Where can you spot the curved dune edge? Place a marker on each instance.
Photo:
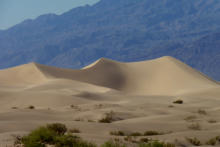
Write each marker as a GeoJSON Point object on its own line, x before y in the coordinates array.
{"type": "Point", "coordinates": [162, 76]}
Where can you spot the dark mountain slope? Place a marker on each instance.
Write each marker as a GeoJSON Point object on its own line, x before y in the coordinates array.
{"type": "Point", "coordinates": [124, 30]}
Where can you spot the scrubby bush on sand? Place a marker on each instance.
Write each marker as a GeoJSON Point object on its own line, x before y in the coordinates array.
{"type": "Point", "coordinates": [52, 134]}
{"type": "Point", "coordinates": [117, 133]}
{"type": "Point", "coordinates": [156, 144]}
{"type": "Point", "coordinates": [194, 141]}
{"type": "Point", "coordinates": [113, 144]}
{"type": "Point", "coordinates": [179, 101]}
{"type": "Point", "coordinates": [108, 118]}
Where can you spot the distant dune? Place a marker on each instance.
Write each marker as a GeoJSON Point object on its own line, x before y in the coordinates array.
{"type": "Point", "coordinates": [162, 76]}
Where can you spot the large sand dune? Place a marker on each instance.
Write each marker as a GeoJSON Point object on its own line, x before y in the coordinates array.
{"type": "Point", "coordinates": [163, 76]}
{"type": "Point", "coordinates": [139, 93]}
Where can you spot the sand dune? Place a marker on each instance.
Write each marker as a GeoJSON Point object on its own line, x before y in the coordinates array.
{"type": "Point", "coordinates": [140, 94]}
{"type": "Point", "coordinates": [163, 76]}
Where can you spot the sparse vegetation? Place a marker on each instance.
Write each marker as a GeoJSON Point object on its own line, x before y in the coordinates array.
{"type": "Point", "coordinates": [52, 134]}
{"type": "Point", "coordinates": [108, 118]}
{"type": "Point", "coordinates": [136, 134]}
{"type": "Point", "coordinates": [31, 107]}
{"type": "Point", "coordinates": [144, 140]}
{"type": "Point", "coordinates": [190, 118]}
{"type": "Point", "coordinates": [156, 144]}
{"type": "Point", "coordinates": [195, 126]}
{"type": "Point", "coordinates": [113, 144]}
{"type": "Point", "coordinates": [74, 130]}
{"type": "Point", "coordinates": [14, 107]}
{"type": "Point", "coordinates": [202, 112]}
{"type": "Point", "coordinates": [194, 141]}
{"type": "Point", "coordinates": [212, 141]}
{"type": "Point", "coordinates": [152, 133]}
{"type": "Point", "coordinates": [212, 121]}
{"type": "Point", "coordinates": [117, 133]}
{"type": "Point", "coordinates": [179, 101]}
{"type": "Point", "coordinates": [58, 128]}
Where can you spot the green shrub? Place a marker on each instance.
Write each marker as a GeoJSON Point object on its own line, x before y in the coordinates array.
{"type": "Point", "coordinates": [152, 133]}
{"type": "Point", "coordinates": [71, 141]}
{"type": "Point", "coordinates": [59, 128]}
{"type": "Point", "coordinates": [113, 144]}
{"type": "Point", "coordinates": [117, 133]}
{"type": "Point", "coordinates": [39, 137]}
{"type": "Point", "coordinates": [74, 131]}
{"type": "Point", "coordinates": [194, 141]}
{"type": "Point", "coordinates": [195, 126]}
{"type": "Point", "coordinates": [202, 112]}
{"type": "Point", "coordinates": [108, 118]}
{"type": "Point", "coordinates": [212, 141]}
{"type": "Point", "coordinates": [156, 144]}
{"type": "Point", "coordinates": [178, 102]}
{"type": "Point", "coordinates": [144, 140]}
{"type": "Point", "coordinates": [52, 134]}
{"type": "Point", "coordinates": [135, 134]}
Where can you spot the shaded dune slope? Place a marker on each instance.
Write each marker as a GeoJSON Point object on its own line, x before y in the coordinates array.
{"type": "Point", "coordinates": [162, 76]}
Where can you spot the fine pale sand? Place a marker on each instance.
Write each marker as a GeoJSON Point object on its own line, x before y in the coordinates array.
{"type": "Point", "coordinates": [140, 95]}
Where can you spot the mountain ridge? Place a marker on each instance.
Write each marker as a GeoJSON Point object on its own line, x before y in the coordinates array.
{"type": "Point", "coordinates": [124, 31]}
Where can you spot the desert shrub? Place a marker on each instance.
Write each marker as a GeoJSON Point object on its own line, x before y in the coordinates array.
{"type": "Point", "coordinates": [14, 107]}
{"type": "Point", "coordinates": [202, 112]}
{"type": "Point", "coordinates": [212, 121]}
{"type": "Point", "coordinates": [31, 107]}
{"type": "Point", "coordinates": [156, 144]}
{"type": "Point", "coordinates": [58, 128]}
{"type": "Point", "coordinates": [152, 133]}
{"type": "Point", "coordinates": [108, 118]}
{"type": "Point", "coordinates": [71, 141]}
{"type": "Point", "coordinates": [144, 140]}
{"type": "Point", "coordinates": [212, 141]}
{"type": "Point", "coordinates": [194, 141]}
{"type": "Point", "coordinates": [39, 137]}
{"type": "Point", "coordinates": [136, 134]}
{"type": "Point", "coordinates": [178, 101]}
{"type": "Point", "coordinates": [74, 130]}
{"type": "Point", "coordinates": [195, 126]}
{"type": "Point", "coordinates": [52, 134]}
{"type": "Point", "coordinates": [117, 133]}
{"type": "Point", "coordinates": [113, 144]}
{"type": "Point", "coordinates": [190, 118]}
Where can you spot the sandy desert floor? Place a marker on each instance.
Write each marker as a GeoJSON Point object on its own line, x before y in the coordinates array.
{"type": "Point", "coordinates": [139, 96]}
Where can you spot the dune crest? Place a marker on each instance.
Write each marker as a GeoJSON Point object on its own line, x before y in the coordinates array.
{"type": "Point", "coordinates": [162, 76]}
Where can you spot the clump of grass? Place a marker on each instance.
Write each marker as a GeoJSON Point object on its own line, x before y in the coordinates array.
{"type": "Point", "coordinates": [170, 106]}
{"type": "Point", "coordinates": [190, 118]}
{"type": "Point", "coordinates": [212, 121]}
{"type": "Point", "coordinates": [74, 130]}
{"type": "Point", "coordinates": [194, 141]}
{"type": "Point", "coordinates": [14, 107]}
{"type": "Point", "coordinates": [202, 112]}
{"type": "Point", "coordinates": [136, 134]}
{"type": "Point", "coordinates": [108, 118]}
{"type": "Point", "coordinates": [156, 144]}
{"type": "Point", "coordinates": [179, 101]}
{"type": "Point", "coordinates": [31, 107]}
{"type": "Point", "coordinates": [195, 126]}
{"type": "Point", "coordinates": [212, 141]}
{"type": "Point", "coordinates": [152, 133]}
{"type": "Point", "coordinates": [144, 140]}
{"type": "Point", "coordinates": [113, 143]}
{"type": "Point", "coordinates": [117, 133]}
{"type": "Point", "coordinates": [52, 134]}
{"type": "Point", "coordinates": [58, 128]}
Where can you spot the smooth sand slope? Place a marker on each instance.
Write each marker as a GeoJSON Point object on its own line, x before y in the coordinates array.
{"type": "Point", "coordinates": [163, 76]}
{"type": "Point", "coordinates": [140, 94]}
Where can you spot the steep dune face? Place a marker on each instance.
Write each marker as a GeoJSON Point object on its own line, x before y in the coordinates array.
{"type": "Point", "coordinates": [162, 76]}
{"type": "Point", "coordinates": [22, 75]}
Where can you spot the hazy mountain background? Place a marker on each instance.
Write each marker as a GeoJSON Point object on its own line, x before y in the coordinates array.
{"type": "Point", "coordinates": [124, 30]}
